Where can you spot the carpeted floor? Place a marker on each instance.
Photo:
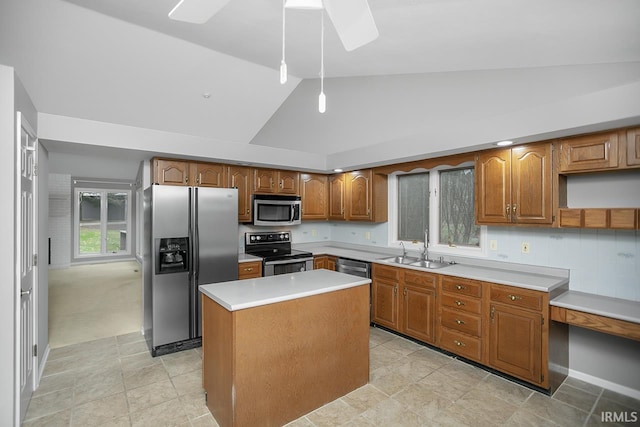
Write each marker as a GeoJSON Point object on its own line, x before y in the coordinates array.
{"type": "Point", "coordinates": [88, 302]}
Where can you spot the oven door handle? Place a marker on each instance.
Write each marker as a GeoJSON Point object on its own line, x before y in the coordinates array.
{"type": "Point", "coordinates": [288, 261]}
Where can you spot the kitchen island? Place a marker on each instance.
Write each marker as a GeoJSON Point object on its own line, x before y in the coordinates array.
{"type": "Point", "coordinates": [276, 348]}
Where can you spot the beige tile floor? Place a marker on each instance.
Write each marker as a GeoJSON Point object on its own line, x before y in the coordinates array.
{"type": "Point", "coordinates": [115, 382]}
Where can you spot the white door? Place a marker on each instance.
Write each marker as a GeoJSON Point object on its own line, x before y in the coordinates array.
{"type": "Point", "coordinates": [27, 272]}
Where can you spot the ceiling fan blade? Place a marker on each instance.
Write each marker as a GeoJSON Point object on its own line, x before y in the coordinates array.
{"type": "Point", "coordinates": [353, 21]}
{"type": "Point", "coordinates": [196, 11]}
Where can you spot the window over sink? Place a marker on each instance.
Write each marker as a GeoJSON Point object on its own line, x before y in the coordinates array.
{"type": "Point", "coordinates": [441, 200]}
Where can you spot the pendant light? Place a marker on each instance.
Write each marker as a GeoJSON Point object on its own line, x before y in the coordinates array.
{"type": "Point", "coordinates": [322, 99]}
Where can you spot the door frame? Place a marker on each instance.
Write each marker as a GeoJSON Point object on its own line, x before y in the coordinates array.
{"type": "Point", "coordinates": [21, 122]}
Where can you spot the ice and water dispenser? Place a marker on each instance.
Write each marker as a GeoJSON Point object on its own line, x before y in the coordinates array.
{"type": "Point", "coordinates": [172, 255]}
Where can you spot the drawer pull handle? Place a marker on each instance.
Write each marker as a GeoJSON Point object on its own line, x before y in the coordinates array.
{"type": "Point", "coordinates": [460, 322]}
{"type": "Point", "coordinates": [248, 269]}
{"type": "Point", "coordinates": [459, 343]}
{"type": "Point", "coordinates": [461, 287]}
{"type": "Point", "coordinates": [514, 297]}
{"type": "Point", "coordinates": [459, 303]}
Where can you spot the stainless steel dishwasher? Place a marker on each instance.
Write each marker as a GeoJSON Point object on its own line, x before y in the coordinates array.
{"type": "Point", "coordinates": [356, 268]}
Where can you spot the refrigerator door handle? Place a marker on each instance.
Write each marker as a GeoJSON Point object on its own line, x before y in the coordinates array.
{"type": "Point", "coordinates": [191, 242]}
{"type": "Point", "coordinates": [196, 242]}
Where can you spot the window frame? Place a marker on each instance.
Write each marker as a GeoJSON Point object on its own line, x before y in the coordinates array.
{"type": "Point", "coordinates": [103, 221]}
{"type": "Point", "coordinates": [434, 217]}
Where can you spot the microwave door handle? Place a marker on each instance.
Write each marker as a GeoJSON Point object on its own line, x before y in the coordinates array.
{"type": "Point", "coordinates": [293, 212]}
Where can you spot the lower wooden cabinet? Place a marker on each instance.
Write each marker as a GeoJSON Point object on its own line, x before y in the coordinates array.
{"type": "Point", "coordinates": [519, 333]}
{"type": "Point", "coordinates": [327, 262]}
{"type": "Point", "coordinates": [404, 300]}
{"type": "Point", "coordinates": [503, 327]}
{"type": "Point", "coordinates": [249, 270]}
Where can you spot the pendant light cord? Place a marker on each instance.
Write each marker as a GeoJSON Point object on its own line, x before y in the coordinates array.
{"type": "Point", "coordinates": [283, 65]}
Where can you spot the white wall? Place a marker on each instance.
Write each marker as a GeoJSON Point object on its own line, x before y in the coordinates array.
{"type": "Point", "coordinates": [60, 219]}
{"type": "Point", "coordinates": [7, 252]}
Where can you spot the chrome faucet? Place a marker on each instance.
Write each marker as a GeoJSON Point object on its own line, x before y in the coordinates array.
{"type": "Point", "coordinates": [404, 251]}
{"type": "Point", "coordinates": [425, 253]}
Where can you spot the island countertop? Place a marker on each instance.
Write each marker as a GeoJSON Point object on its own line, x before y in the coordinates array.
{"type": "Point", "coordinates": [247, 293]}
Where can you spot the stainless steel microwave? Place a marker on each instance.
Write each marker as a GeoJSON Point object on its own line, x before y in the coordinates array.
{"type": "Point", "coordinates": [274, 210]}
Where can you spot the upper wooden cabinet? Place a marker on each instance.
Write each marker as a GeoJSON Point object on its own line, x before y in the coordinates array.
{"type": "Point", "coordinates": [208, 175]}
{"type": "Point", "coordinates": [358, 196]}
{"type": "Point", "coordinates": [240, 177]}
{"type": "Point", "coordinates": [633, 147]}
{"type": "Point", "coordinates": [589, 152]}
{"type": "Point", "coordinates": [337, 190]}
{"type": "Point", "coordinates": [182, 172]}
{"type": "Point", "coordinates": [170, 172]}
{"type": "Point", "coordinates": [272, 181]}
{"type": "Point", "coordinates": [513, 186]}
{"type": "Point", "coordinates": [314, 191]}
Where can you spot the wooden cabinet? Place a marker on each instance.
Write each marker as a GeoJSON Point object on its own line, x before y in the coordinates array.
{"type": "Point", "coordinates": [615, 218]}
{"type": "Point", "coordinates": [404, 300]}
{"type": "Point", "coordinates": [272, 181]}
{"type": "Point", "coordinates": [518, 333]}
{"type": "Point", "coordinates": [633, 147]}
{"type": "Point", "coordinates": [589, 152]}
{"type": "Point", "coordinates": [170, 172]}
{"type": "Point", "coordinates": [384, 296]}
{"type": "Point", "coordinates": [249, 270]}
{"type": "Point", "coordinates": [314, 192]}
{"type": "Point", "coordinates": [513, 186]}
{"type": "Point", "coordinates": [182, 172]}
{"type": "Point", "coordinates": [208, 174]}
{"type": "Point", "coordinates": [337, 190]}
{"type": "Point", "coordinates": [460, 317]}
{"type": "Point", "coordinates": [240, 177]}
{"type": "Point", "coordinates": [327, 262]}
{"type": "Point", "coordinates": [358, 196]}
{"type": "Point", "coordinates": [419, 305]}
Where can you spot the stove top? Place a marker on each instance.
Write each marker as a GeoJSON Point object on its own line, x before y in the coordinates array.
{"type": "Point", "coordinates": [273, 246]}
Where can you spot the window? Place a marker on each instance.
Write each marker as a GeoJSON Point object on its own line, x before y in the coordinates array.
{"type": "Point", "coordinates": [102, 222]}
{"type": "Point", "coordinates": [457, 217]}
{"type": "Point", "coordinates": [441, 201]}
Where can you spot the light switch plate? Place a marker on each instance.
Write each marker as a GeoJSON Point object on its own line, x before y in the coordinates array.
{"type": "Point", "coordinates": [493, 245]}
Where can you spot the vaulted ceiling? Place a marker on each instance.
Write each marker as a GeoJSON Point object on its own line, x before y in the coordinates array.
{"type": "Point", "coordinates": [444, 75]}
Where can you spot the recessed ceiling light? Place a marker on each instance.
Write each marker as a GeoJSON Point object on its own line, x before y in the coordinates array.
{"type": "Point", "coordinates": [504, 143]}
{"type": "Point", "coordinates": [206, 95]}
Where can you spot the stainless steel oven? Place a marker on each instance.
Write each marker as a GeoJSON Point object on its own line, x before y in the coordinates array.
{"type": "Point", "coordinates": [275, 250]}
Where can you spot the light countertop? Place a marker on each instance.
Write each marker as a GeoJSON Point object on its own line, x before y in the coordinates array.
{"type": "Point", "coordinates": [242, 257]}
{"type": "Point", "coordinates": [615, 308]}
{"type": "Point", "coordinates": [242, 294]}
{"type": "Point", "coordinates": [522, 276]}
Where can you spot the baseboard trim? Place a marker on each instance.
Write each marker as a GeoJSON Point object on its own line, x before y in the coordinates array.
{"type": "Point", "coordinates": [609, 385]}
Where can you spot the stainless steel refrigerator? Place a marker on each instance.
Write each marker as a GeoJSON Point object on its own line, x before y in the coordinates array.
{"type": "Point", "coordinates": [191, 238]}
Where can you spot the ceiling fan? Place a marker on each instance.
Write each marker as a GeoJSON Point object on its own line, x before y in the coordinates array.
{"type": "Point", "coordinates": [352, 18]}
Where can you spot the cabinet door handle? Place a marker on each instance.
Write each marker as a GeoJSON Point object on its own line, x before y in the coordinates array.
{"type": "Point", "coordinates": [514, 297]}
{"type": "Point", "coordinates": [186, 179]}
{"type": "Point", "coordinates": [459, 303]}
{"type": "Point", "coordinates": [460, 322]}
{"type": "Point", "coordinates": [461, 287]}
{"type": "Point", "coordinates": [395, 289]}
{"type": "Point", "coordinates": [459, 343]}
{"type": "Point", "coordinates": [508, 211]}
{"type": "Point", "coordinates": [491, 314]}
{"type": "Point", "coordinates": [404, 292]}
{"type": "Point", "coordinates": [247, 211]}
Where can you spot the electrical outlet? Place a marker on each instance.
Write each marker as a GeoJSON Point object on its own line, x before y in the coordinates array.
{"type": "Point", "coordinates": [314, 233]}
{"type": "Point", "coordinates": [525, 247]}
{"type": "Point", "coordinates": [493, 245]}
{"type": "Point", "coordinates": [367, 235]}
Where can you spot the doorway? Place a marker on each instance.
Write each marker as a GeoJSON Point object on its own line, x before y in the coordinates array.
{"type": "Point", "coordinates": [92, 301]}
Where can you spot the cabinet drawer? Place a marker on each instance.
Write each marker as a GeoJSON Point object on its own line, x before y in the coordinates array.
{"type": "Point", "coordinates": [461, 302]}
{"type": "Point", "coordinates": [461, 344]}
{"type": "Point", "coordinates": [249, 270]}
{"type": "Point", "coordinates": [623, 218]}
{"type": "Point", "coordinates": [419, 279]}
{"type": "Point", "coordinates": [512, 296]}
{"type": "Point", "coordinates": [571, 217]}
{"type": "Point", "coordinates": [384, 271]}
{"type": "Point", "coordinates": [464, 322]}
{"type": "Point", "coordinates": [461, 286]}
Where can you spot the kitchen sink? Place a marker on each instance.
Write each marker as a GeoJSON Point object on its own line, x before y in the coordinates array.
{"type": "Point", "coordinates": [429, 264]}
{"type": "Point", "coordinates": [401, 259]}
